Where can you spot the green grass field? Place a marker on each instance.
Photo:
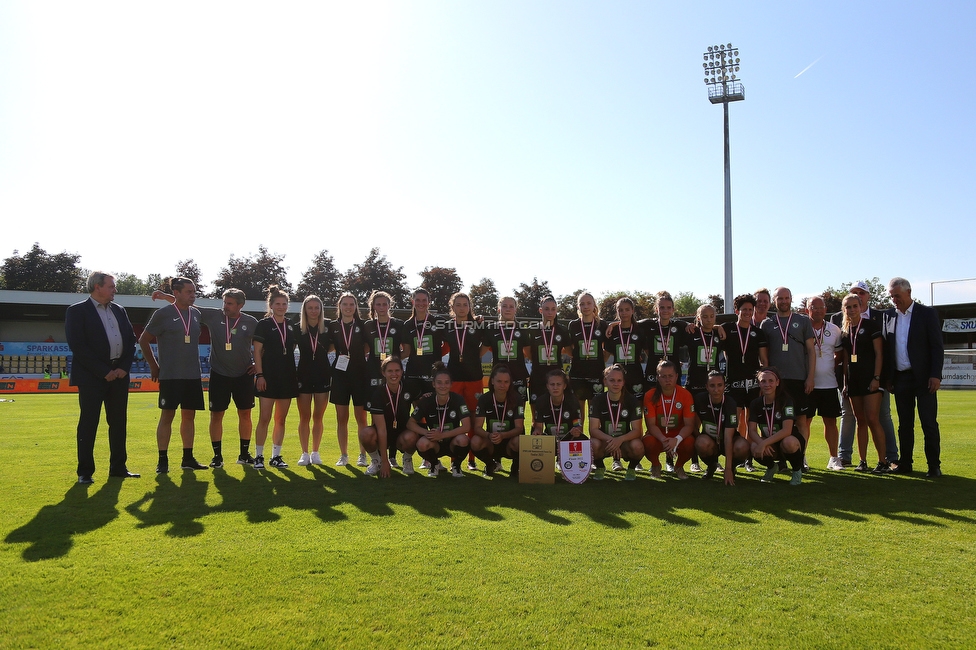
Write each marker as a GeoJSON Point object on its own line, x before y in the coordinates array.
{"type": "Point", "coordinates": [328, 557]}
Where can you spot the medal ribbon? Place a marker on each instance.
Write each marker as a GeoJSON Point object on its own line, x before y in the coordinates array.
{"type": "Point", "coordinates": [227, 326]}
{"type": "Point", "coordinates": [347, 339]}
{"type": "Point", "coordinates": [186, 323]}
{"type": "Point", "coordinates": [282, 332]}
{"type": "Point", "coordinates": [614, 421]}
{"type": "Point", "coordinates": [784, 332]}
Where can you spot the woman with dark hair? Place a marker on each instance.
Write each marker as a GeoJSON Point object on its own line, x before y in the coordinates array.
{"type": "Point", "coordinates": [276, 381]}
{"type": "Point", "coordinates": [385, 337]}
{"type": "Point", "coordinates": [616, 426]}
{"type": "Point", "coordinates": [499, 420]}
{"type": "Point", "coordinates": [861, 340]}
{"type": "Point", "coordinates": [349, 381]}
{"type": "Point", "coordinates": [716, 418]}
{"type": "Point", "coordinates": [771, 430]}
{"type": "Point", "coordinates": [586, 336]}
{"type": "Point", "coordinates": [556, 413]}
{"type": "Point", "coordinates": [463, 338]}
{"type": "Point", "coordinates": [314, 376]}
{"type": "Point", "coordinates": [389, 408]}
{"type": "Point", "coordinates": [441, 422]}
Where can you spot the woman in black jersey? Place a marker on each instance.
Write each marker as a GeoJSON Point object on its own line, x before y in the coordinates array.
{"type": "Point", "coordinates": [716, 417]}
{"type": "Point", "coordinates": [625, 342]}
{"type": "Point", "coordinates": [389, 408]}
{"type": "Point", "coordinates": [616, 426]}
{"type": "Point", "coordinates": [349, 381]}
{"type": "Point", "coordinates": [546, 345]}
{"type": "Point", "coordinates": [771, 428]}
{"type": "Point", "coordinates": [557, 413]}
{"type": "Point", "coordinates": [499, 420]}
{"type": "Point", "coordinates": [587, 335]}
{"type": "Point", "coordinates": [463, 338]}
{"type": "Point", "coordinates": [384, 338]}
{"type": "Point", "coordinates": [314, 376]}
{"type": "Point", "coordinates": [423, 337]}
{"type": "Point", "coordinates": [276, 381]}
{"type": "Point", "coordinates": [509, 344]}
{"type": "Point", "coordinates": [441, 421]}
{"type": "Point", "coordinates": [861, 340]}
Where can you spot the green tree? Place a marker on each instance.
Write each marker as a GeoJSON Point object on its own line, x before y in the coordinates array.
{"type": "Point", "coordinates": [529, 297]}
{"type": "Point", "coordinates": [253, 275]}
{"type": "Point", "coordinates": [37, 270]}
{"type": "Point", "coordinates": [686, 303]}
{"type": "Point", "coordinates": [643, 301]}
{"type": "Point", "coordinates": [718, 302]}
{"type": "Point", "coordinates": [376, 273]}
{"type": "Point", "coordinates": [566, 306]}
{"type": "Point", "coordinates": [442, 282]}
{"type": "Point", "coordinates": [189, 269]}
{"type": "Point", "coordinates": [484, 297]}
{"type": "Point", "coordinates": [321, 279]}
{"type": "Point", "coordinates": [128, 284]}
{"type": "Point", "coordinates": [879, 295]}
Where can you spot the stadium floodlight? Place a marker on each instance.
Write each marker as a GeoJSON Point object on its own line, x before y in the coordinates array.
{"type": "Point", "coordinates": [721, 65]}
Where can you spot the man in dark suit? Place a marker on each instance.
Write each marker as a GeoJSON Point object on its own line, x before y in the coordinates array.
{"type": "Point", "coordinates": [914, 354]}
{"type": "Point", "coordinates": [102, 346]}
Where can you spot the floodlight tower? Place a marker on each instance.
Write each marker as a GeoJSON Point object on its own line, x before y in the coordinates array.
{"type": "Point", "coordinates": [721, 65]}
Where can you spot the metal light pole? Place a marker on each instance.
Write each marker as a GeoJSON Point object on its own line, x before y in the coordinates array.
{"type": "Point", "coordinates": [721, 65]}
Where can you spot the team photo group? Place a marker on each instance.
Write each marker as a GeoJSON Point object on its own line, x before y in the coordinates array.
{"type": "Point", "coordinates": [750, 390]}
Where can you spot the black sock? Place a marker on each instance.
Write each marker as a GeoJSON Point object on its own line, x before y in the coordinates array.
{"type": "Point", "coordinates": [163, 455]}
{"type": "Point", "coordinates": [430, 456]}
{"type": "Point", "coordinates": [216, 447]}
{"type": "Point", "coordinates": [245, 445]}
{"type": "Point", "coordinates": [187, 452]}
{"type": "Point", "coordinates": [458, 454]}
{"type": "Point", "coordinates": [485, 457]}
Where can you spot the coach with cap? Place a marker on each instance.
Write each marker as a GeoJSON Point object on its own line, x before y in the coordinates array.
{"type": "Point", "coordinates": [102, 346]}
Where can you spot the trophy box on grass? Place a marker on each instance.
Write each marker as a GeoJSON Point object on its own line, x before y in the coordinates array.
{"type": "Point", "coordinates": [537, 459]}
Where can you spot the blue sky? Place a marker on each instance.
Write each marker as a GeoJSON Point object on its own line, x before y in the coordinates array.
{"type": "Point", "coordinates": [572, 141]}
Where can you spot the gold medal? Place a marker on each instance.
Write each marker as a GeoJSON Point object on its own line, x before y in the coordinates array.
{"type": "Point", "coordinates": [186, 339]}
{"type": "Point", "coordinates": [853, 358]}
{"type": "Point", "coordinates": [786, 347]}
{"type": "Point", "coordinates": [228, 346]}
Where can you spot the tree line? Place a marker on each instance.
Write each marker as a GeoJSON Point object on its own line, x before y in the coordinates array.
{"type": "Point", "coordinates": [37, 270]}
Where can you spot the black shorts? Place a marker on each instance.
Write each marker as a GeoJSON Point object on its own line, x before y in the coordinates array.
{"type": "Point", "coordinates": [346, 387]}
{"type": "Point", "coordinates": [315, 386]}
{"type": "Point", "coordinates": [181, 393]}
{"type": "Point", "coordinates": [825, 402]}
{"type": "Point", "coordinates": [801, 401]}
{"type": "Point", "coordinates": [222, 388]}
{"type": "Point", "coordinates": [586, 389]}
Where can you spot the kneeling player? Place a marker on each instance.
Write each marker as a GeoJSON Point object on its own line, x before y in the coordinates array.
{"type": "Point", "coordinates": [771, 430]}
{"type": "Point", "coordinates": [499, 420]}
{"type": "Point", "coordinates": [615, 425]}
{"type": "Point", "coordinates": [389, 407]}
{"type": "Point", "coordinates": [669, 412]}
{"type": "Point", "coordinates": [441, 422]}
{"type": "Point", "coordinates": [557, 413]}
{"type": "Point", "coordinates": [717, 419]}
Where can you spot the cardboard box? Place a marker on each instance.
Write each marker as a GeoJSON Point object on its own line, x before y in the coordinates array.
{"type": "Point", "coordinates": [537, 459]}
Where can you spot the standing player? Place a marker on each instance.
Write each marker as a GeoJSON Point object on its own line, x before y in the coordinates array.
{"type": "Point", "coordinates": [792, 353]}
{"type": "Point", "coordinates": [745, 354]}
{"type": "Point", "coordinates": [509, 344]}
{"type": "Point", "coordinates": [384, 338]}
{"type": "Point", "coordinates": [616, 426]}
{"type": "Point", "coordinates": [349, 379]}
{"type": "Point", "coordinates": [663, 337]}
{"type": "Point", "coordinates": [231, 369]}
{"type": "Point", "coordinates": [670, 416]}
{"type": "Point", "coordinates": [277, 379]}
{"type": "Point", "coordinates": [587, 335]}
{"type": "Point", "coordinates": [389, 408]}
{"type": "Point", "coordinates": [823, 399]}
{"type": "Point", "coordinates": [771, 429]}
{"type": "Point", "coordinates": [177, 331]}
{"type": "Point", "coordinates": [499, 420]}
{"type": "Point", "coordinates": [463, 338]}
{"type": "Point", "coordinates": [625, 342]}
{"type": "Point", "coordinates": [546, 347]}
{"type": "Point", "coordinates": [441, 421]}
{"type": "Point", "coordinates": [423, 337]}
{"type": "Point", "coordinates": [861, 338]}
{"type": "Point", "coordinates": [704, 344]}
{"type": "Point", "coordinates": [716, 417]}
{"type": "Point", "coordinates": [314, 376]}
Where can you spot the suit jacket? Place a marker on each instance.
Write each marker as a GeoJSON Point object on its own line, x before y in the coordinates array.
{"type": "Point", "coordinates": [90, 350]}
{"type": "Point", "coordinates": [925, 349]}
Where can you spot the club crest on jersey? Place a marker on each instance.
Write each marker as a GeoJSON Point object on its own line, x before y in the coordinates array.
{"type": "Point", "coordinates": [674, 330]}
{"type": "Point", "coordinates": [393, 330]}
{"type": "Point", "coordinates": [624, 413]}
{"type": "Point", "coordinates": [795, 325]}
{"type": "Point", "coordinates": [453, 414]}
{"type": "Point", "coordinates": [677, 405]}
{"type": "Point", "coordinates": [406, 396]}
{"type": "Point", "coordinates": [596, 333]}
{"type": "Point", "coordinates": [752, 334]}
{"type": "Point", "coordinates": [558, 338]}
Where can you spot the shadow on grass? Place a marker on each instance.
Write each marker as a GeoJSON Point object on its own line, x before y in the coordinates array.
{"type": "Point", "coordinates": [327, 491]}
{"type": "Point", "coordinates": [50, 534]}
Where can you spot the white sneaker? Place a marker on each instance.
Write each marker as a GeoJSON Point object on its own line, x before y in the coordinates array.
{"type": "Point", "coordinates": [304, 460]}
{"type": "Point", "coordinates": [314, 458]}
{"type": "Point", "coordinates": [695, 467]}
{"type": "Point", "coordinates": [433, 471]}
{"type": "Point", "coordinates": [343, 461]}
{"type": "Point", "coordinates": [835, 464]}
{"type": "Point", "coordinates": [669, 466]}
{"type": "Point", "coordinates": [617, 466]}
{"type": "Point", "coordinates": [408, 463]}
{"type": "Point", "coordinates": [373, 469]}
{"type": "Point", "coordinates": [456, 471]}
{"type": "Point", "coordinates": [639, 467]}
{"type": "Point", "coordinates": [425, 464]}
{"type": "Point", "coordinates": [363, 460]}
